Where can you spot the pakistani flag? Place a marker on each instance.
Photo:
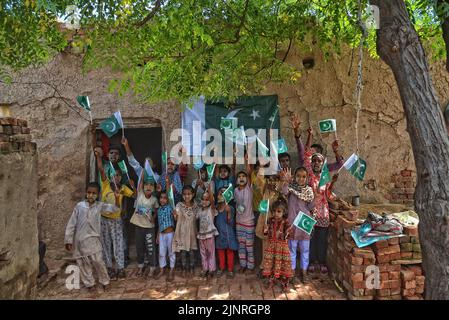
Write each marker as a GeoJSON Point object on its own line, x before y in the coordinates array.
{"type": "Point", "coordinates": [84, 102]}
{"type": "Point", "coordinates": [264, 206]}
{"type": "Point", "coordinates": [210, 170]}
{"type": "Point", "coordinates": [122, 166]}
{"type": "Point", "coordinates": [280, 145]}
{"type": "Point", "coordinates": [149, 173]}
{"type": "Point", "coordinates": [111, 125]}
{"type": "Point", "coordinates": [328, 125]}
{"type": "Point", "coordinates": [171, 196]}
{"type": "Point", "coordinates": [304, 222]}
{"type": "Point", "coordinates": [228, 194]}
{"type": "Point", "coordinates": [325, 176]}
{"type": "Point", "coordinates": [112, 171]}
{"type": "Point", "coordinates": [356, 166]}
{"type": "Point", "coordinates": [164, 160]}
{"type": "Point", "coordinates": [263, 148]}
{"type": "Point", "coordinates": [257, 112]}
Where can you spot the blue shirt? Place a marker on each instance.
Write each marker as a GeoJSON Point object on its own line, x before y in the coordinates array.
{"type": "Point", "coordinates": [222, 183]}
{"type": "Point", "coordinates": [226, 238]}
{"type": "Point", "coordinates": [175, 179]}
{"type": "Point", "coordinates": [165, 217]}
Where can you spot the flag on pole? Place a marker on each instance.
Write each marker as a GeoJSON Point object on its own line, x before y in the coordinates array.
{"type": "Point", "coordinates": [262, 148]}
{"type": "Point", "coordinates": [122, 166]}
{"type": "Point", "coordinates": [328, 125]}
{"type": "Point", "coordinates": [280, 146]}
{"type": "Point", "coordinates": [325, 176]}
{"type": "Point", "coordinates": [304, 222]}
{"type": "Point", "coordinates": [84, 102]}
{"type": "Point", "coordinates": [149, 173]}
{"type": "Point", "coordinates": [210, 171]}
{"type": "Point", "coordinates": [228, 194]}
{"type": "Point", "coordinates": [164, 160]}
{"type": "Point", "coordinates": [112, 171]}
{"type": "Point", "coordinates": [356, 166]}
{"type": "Point", "coordinates": [171, 196]}
{"type": "Point", "coordinates": [118, 116]}
{"type": "Point", "coordinates": [264, 206]}
{"type": "Point", "coordinates": [228, 123]}
{"type": "Point", "coordinates": [110, 126]}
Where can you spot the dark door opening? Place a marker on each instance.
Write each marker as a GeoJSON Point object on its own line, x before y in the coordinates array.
{"type": "Point", "coordinates": [144, 142]}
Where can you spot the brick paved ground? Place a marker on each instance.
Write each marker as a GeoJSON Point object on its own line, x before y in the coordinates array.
{"type": "Point", "coordinates": [241, 287]}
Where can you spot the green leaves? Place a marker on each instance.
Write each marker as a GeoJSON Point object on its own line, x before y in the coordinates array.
{"type": "Point", "coordinates": [166, 50]}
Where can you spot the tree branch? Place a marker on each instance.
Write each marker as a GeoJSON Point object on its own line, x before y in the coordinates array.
{"type": "Point", "coordinates": [151, 14]}
{"type": "Point", "coordinates": [239, 27]}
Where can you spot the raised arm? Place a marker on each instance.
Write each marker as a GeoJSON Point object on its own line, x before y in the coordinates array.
{"type": "Point", "coordinates": [339, 159]}
{"type": "Point", "coordinates": [93, 132]}
{"type": "Point", "coordinates": [295, 123]}
{"type": "Point", "coordinates": [309, 138]}
{"type": "Point", "coordinates": [98, 153]}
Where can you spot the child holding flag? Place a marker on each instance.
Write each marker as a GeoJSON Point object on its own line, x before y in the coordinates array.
{"type": "Point", "coordinates": [226, 241]}
{"type": "Point", "coordinates": [143, 220]}
{"type": "Point", "coordinates": [245, 225]}
{"type": "Point", "coordinates": [300, 198]}
{"type": "Point", "coordinates": [184, 240]}
{"type": "Point", "coordinates": [322, 186]}
{"type": "Point", "coordinates": [165, 235]}
{"type": "Point", "coordinates": [111, 223]}
{"type": "Point", "coordinates": [173, 177]}
{"type": "Point", "coordinates": [82, 235]}
{"type": "Point", "coordinates": [201, 184]}
{"type": "Point", "coordinates": [277, 261]}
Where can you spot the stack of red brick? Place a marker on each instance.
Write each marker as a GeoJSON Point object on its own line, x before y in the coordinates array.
{"type": "Point", "coordinates": [15, 136]}
{"type": "Point", "coordinates": [412, 282]}
{"type": "Point", "coordinates": [349, 265]}
{"type": "Point", "coordinates": [403, 187]}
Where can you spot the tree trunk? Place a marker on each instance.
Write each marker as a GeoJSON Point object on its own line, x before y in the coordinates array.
{"type": "Point", "coordinates": [400, 47]}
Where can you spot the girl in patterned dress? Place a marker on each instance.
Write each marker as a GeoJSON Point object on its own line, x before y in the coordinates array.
{"type": "Point", "coordinates": [184, 240]}
{"type": "Point", "coordinates": [277, 260]}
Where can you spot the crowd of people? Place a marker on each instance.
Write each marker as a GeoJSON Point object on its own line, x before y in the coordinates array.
{"type": "Point", "coordinates": [203, 218]}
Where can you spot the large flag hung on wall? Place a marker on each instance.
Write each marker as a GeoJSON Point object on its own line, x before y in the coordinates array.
{"type": "Point", "coordinates": [249, 112]}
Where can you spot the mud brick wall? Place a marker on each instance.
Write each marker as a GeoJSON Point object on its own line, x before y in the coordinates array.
{"type": "Point", "coordinates": [348, 264]}
{"type": "Point", "coordinates": [403, 187]}
{"type": "Point", "coordinates": [19, 257]}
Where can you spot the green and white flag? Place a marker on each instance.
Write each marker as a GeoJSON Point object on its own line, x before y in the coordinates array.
{"type": "Point", "coordinates": [149, 173]}
{"type": "Point", "coordinates": [112, 171]}
{"type": "Point", "coordinates": [84, 102]}
{"type": "Point", "coordinates": [256, 112]}
{"type": "Point", "coordinates": [263, 149]}
{"type": "Point", "coordinates": [325, 176]}
{"type": "Point", "coordinates": [122, 166]}
{"type": "Point", "coordinates": [328, 125]}
{"type": "Point", "coordinates": [210, 171]}
{"type": "Point", "coordinates": [228, 194]}
{"type": "Point", "coordinates": [356, 166]}
{"type": "Point", "coordinates": [281, 146]}
{"type": "Point", "coordinates": [264, 206]}
{"type": "Point", "coordinates": [304, 222]}
{"type": "Point", "coordinates": [164, 160]}
{"type": "Point", "coordinates": [110, 126]}
{"type": "Point", "coordinates": [171, 196]}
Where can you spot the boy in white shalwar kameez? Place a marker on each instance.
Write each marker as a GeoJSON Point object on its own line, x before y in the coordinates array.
{"type": "Point", "coordinates": [82, 235]}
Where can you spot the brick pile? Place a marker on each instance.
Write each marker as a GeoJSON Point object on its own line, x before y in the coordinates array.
{"type": "Point", "coordinates": [15, 136]}
{"type": "Point", "coordinates": [348, 264]}
{"type": "Point", "coordinates": [403, 187]}
{"type": "Point", "coordinates": [412, 283]}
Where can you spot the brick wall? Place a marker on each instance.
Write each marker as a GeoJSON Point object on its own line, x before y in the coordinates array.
{"type": "Point", "coordinates": [19, 257]}
{"type": "Point", "coordinates": [403, 187]}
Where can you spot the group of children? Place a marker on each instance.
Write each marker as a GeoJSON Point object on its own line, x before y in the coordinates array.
{"type": "Point", "coordinates": [202, 217]}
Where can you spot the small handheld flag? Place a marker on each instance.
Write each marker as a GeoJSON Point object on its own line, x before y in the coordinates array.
{"type": "Point", "coordinates": [149, 171]}
{"type": "Point", "coordinates": [210, 170]}
{"type": "Point", "coordinates": [84, 102]}
{"type": "Point", "coordinates": [228, 194]}
{"type": "Point", "coordinates": [110, 126]}
{"type": "Point", "coordinates": [171, 197]}
{"type": "Point", "coordinates": [280, 145]}
{"type": "Point", "coordinates": [325, 176]}
{"type": "Point", "coordinates": [164, 160]}
{"type": "Point", "coordinates": [112, 173]}
{"type": "Point", "coordinates": [264, 206]}
{"type": "Point", "coordinates": [328, 125]}
{"type": "Point", "coordinates": [304, 222]}
{"type": "Point", "coordinates": [124, 168]}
